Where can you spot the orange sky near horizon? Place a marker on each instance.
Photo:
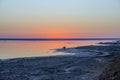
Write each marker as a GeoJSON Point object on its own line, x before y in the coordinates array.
{"type": "Point", "coordinates": [59, 18]}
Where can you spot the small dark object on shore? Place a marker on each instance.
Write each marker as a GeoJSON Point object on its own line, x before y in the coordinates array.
{"type": "Point", "coordinates": [64, 47]}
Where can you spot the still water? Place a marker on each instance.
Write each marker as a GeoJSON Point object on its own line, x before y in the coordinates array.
{"type": "Point", "coordinates": [15, 49]}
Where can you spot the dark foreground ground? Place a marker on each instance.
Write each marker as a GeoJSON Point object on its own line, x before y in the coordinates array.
{"type": "Point", "coordinates": [112, 72]}
{"type": "Point", "coordinates": [94, 67]}
{"type": "Point", "coordinates": [51, 68]}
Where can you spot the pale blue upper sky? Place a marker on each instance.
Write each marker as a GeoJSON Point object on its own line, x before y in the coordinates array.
{"type": "Point", "coordinates": [58, 7]}
{"type": "Point", "coordinates": [22, 17]}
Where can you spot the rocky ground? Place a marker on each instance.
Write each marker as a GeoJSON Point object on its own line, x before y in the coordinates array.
{"type": "Point", "coordinates": [112, 72]}
{"type": "Point", "coordinates": [61, 67]}
{"type": "Point", "coordinates": [50, 68]}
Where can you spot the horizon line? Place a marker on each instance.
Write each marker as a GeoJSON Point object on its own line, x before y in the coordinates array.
{"type": "Point", "coordinates": [43, 39]}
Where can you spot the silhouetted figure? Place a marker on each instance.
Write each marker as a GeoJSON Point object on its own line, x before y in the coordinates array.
{"type": "Point", "coordinates": [64, 47]}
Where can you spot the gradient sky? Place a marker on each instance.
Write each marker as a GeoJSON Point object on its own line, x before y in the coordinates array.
{"type": "Point", "coordinates": [59, 18]}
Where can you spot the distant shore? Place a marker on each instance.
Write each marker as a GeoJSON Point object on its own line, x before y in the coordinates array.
{"type": "Point", "coordinates": [80, 66]}
{"type": "Point", "coordinates": [50, 39]}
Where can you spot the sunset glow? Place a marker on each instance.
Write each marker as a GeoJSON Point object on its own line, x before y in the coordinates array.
{"type": "Point", "coordinates": [59, 18]}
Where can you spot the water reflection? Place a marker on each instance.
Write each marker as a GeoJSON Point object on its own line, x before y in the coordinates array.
{"type": "Point", "coordinates": [13, 49]}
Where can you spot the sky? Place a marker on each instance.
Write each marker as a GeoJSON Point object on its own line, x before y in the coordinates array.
{"type": "Point", "coordinates": [59, 18]}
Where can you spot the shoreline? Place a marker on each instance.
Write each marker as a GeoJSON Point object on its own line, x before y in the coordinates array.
{"type": "Point", "coordinates": [69, 67]}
